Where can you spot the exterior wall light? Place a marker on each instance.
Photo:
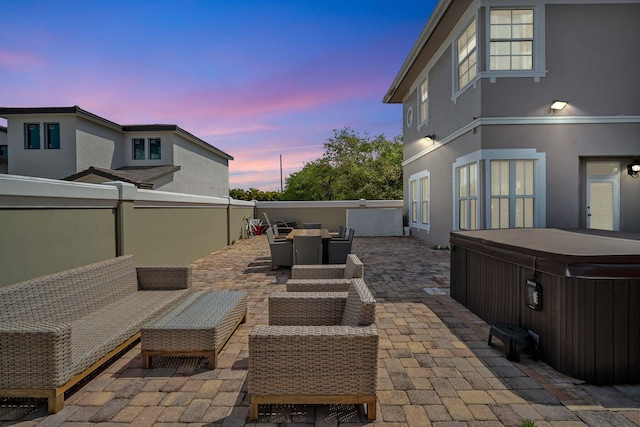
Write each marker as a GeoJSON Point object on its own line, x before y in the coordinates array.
{"type": "Point", "coordinates": [430, 136]}
{"type": "Point", "coordinates": [558, 105]}
{"type": "Point", "coordinates": [633, 169]}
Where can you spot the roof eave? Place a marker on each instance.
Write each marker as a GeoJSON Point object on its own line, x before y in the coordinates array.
{"type": "Point", "coordinates": [392, 96]}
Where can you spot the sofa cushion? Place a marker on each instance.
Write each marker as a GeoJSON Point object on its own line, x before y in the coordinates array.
{"type": "Point", "coordinates": [360, 308]}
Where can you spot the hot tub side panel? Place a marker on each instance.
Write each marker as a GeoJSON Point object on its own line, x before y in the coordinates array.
{"type": "Point", "coordinates": [589, 329]}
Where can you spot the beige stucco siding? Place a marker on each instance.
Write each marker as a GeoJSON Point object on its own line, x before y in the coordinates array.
{"type": "Point", "coordinates": [96, 146]}
{"type": "Point", "coordinates": [158, 231]}
{"type": "Point", "coordinates": [207, 174]}
{"type": "Point", "coordinates": [43, 241]}
{"type": "Point", "coordinates": [42, 162]}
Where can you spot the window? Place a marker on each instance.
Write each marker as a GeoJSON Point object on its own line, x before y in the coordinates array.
{"type": "Point", "coordinates": [138, 149]}
{"type": "Point", "coordinates": [419, 188]}
{"type": "Point", "coordinates": [32, 136]}
{"type": "Point", "coordinates": [512, 193]}
{"type": "Point", "coordinates": [424, 184]}
{"type": "Point", "coordinates": [4, 151]}
{"type": "Point", "coordinates": [52, 136]}
{"type": "Point", "coordinates": [467, 56]}
{"type": "Point", "coordinates": [154, 149]}
{"type": "Point", "coordinates": [424, 102]}
{"type": "Point", "coordinates": [467, 188]}
{"type": "Point", "coordinates": [511, 39]}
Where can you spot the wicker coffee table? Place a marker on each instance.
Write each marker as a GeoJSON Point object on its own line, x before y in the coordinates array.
{"type": "Point", "coordinates": [199, 325]}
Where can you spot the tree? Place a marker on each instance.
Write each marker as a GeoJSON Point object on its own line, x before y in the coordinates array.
{"type": "Point", "coordinates": [254, 194]}
{"type": "Point", "coordinates": [352, 167]}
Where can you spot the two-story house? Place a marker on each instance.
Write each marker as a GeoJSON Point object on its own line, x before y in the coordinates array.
{"type": "Point", "coordinates": [522, 114]}
{"type": "Point", "coordinates": [73, 144]}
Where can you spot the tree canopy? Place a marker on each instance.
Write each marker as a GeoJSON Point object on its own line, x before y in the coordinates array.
{"type": "Point", "coordinates": [353, 167]}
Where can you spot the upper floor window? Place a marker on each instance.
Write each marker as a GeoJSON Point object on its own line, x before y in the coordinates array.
{"type": "Point", "coordinates": [32, 136]}
{"type": "Point", "coordinates": [138, 149]}
{"type": "Point", "coordinates": [467, 55]}
{"type": "Point", "coordinates": [154, 149]}
{"type": "Point", "coordinates": [52, 136]}
{"type": "Point", "coordinates": [511, 39]}
{"type": "Point", "coordinates": [424, 102]}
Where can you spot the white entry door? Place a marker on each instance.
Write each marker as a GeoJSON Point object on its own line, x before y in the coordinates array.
{"type": "Point", "coordinates": [603, 202]}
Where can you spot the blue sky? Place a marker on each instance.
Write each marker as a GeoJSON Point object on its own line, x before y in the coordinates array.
{"type": "Point", "coordinates": [256, 79]}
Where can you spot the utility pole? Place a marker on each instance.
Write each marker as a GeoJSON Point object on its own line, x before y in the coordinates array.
{"type": "Point", "coordinates": [281, 189]}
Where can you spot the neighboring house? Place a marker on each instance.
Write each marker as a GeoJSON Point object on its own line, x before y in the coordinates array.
{"type": "Point", "coordinates": [483, 146]}
{"type": "Point", "coordinates": [3, 150]}
{"type": "Point", "coordinates": [73, 144]}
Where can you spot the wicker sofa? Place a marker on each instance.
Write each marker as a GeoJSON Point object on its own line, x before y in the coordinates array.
{"type": "Point", "coordinates": [325, 277]}
{"type": "Point", "coordinates": [319, 348]}
{"type": "Point", "coordinates": [56, 329]}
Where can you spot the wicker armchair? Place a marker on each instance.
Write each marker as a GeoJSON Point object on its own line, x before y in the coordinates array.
{"type": "Point", "coordinates": [319, 348]}
{"type": "Point", "coordinates": [326, 277]}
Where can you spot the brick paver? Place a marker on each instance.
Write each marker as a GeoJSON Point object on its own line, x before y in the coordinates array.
{"type": "Point", "coordinates": [435, 367]}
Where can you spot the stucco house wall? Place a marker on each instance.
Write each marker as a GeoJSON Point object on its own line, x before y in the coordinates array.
{"type": "Point", "coordinates": [96, 150]}
{"type": "Point", "coordinates": [581, 55]}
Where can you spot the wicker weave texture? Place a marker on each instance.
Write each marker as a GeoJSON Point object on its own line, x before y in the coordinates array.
{"type": "Point", "coordinates": [54, 327]}
{"type": "Point", "coordinates": [201, 321]}
{"type": "Point", "coordinates": [352, 268]}
{"type": "Point", "coordinates": [164, 278]}
{"type": "Point", "coordinates": [360, 308]}
{"type": "Point", "coordinates": [318, 285]}
{"type": "Point", "coordinates": [306, 308]}
{"type": "Point", "coordinates": [313, 360]}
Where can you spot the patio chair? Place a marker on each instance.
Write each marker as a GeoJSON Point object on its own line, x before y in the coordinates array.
{"type": "Point", "coordinates": [307, 250]}
{"type": "Point", "coordinates": [312, 225]}
{"type": "Point", "coordinates": [281, 251]}
{"type": "Point", "coordinates": [319, 348]}
{"type": "Point", "coordinates": [279, 222]}
{"type": "Point", "coordinates": [339, 234]}
{"type": "Point", "coordinates": [339, 248]}
{"type": "Point", "coordinates": [325, 278]}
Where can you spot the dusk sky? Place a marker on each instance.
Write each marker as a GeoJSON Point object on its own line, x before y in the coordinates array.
{"type": "Point", "coordinates": [256, 79]}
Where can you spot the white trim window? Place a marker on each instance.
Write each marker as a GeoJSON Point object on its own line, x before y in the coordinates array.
{"type": "Point", "coordinates": [419, 195]}
{"type": "Point", "coordinates": [511, 39]}
{"type": "Point", "coordinates": [467, 55]}
{"type": "Point", "coordinates": [501, 188]}
{"type": "Point", "coordinates": [423, 102]}
{"type": "Point", "coordinates": [467, 196]}
{"type": "Point", "coordinates": [512, 194]}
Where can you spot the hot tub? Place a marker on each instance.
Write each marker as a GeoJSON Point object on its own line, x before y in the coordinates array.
{"type": "Point", "coordinates": [578, 292]}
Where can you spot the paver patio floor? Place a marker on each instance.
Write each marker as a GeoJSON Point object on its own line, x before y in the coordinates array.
{"type": "Point", "coordinates": [435, 367]}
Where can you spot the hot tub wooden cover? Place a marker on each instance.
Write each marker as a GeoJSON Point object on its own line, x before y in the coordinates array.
{"type": "Point", "coordinates": [558, 252]}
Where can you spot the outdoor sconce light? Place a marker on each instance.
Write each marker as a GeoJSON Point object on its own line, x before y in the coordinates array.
{"type": "Point", "coordinates": [558, 105]}
{"type": "Point", "coordinates": [633, 169]}
{"type": "Point", "coordinates": [430, 136]}
{"type": "Point", "coordinates": [534, 294]}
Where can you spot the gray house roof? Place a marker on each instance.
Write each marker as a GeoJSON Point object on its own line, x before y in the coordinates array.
{"type": "Point", "coordinates": [7, 111]}
{"type": "Point", "coordinates": [140, 176]}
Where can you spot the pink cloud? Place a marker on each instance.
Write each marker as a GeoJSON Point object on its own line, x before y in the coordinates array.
{"type": "Point", "coordinates": [19, 61]}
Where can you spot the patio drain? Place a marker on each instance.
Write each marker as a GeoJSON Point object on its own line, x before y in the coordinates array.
{"type": "Point", "coordinates": [436, 291]}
